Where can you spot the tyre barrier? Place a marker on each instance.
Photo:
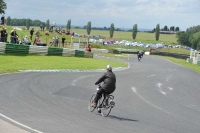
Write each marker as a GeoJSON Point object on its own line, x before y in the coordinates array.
{"type": "Point", "coordinates": [19, 49]}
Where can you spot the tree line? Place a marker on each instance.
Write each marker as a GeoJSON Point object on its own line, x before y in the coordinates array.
{"type": "Point", "coordinates": [190, 37]}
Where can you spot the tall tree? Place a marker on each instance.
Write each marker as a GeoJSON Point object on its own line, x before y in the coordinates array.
{"type": "Point", "coordinates": [68, 26]}
{"type": "Point", "coordinates": [134, 31]}
{"type": "Point", "coordinates": [165, 28]}
{"type": "Point", "coordinates": [47, 24]}
{"type": "Point", "coordinates": [153, 30]}
{"type": "Point", "coordinates": [183, 38]}
{"type": "Point", "coordinates": [112, 28]}
{"type": "Point", "coordinates": [8, 20]}
{"type": "Point", "coordinates": [157, 32]}
{"type": "Point", "coordinates": [172, 28]}
{"type": "Point", "coordinates": [177, 29]}
{"type": "Point", "coordinates": [3, 6]}
{"type": "Point", "coordinates": [89, 27]}
{"type": "Point", "coordinates": [28, 24]}
{"type": "Point", "coordinates": [195, 40]}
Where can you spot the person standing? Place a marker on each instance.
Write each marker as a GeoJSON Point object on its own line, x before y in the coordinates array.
{"type": "Point", "coordinates": [56, 40]}
{"type": "Point", "coordinates": [14, 36]}
{"type": "Point", "coordinates": [37, 33]}
{"type": "Point", "coordinates": [3, 35]}
{"type": "Point", "coordinates": [2, 19]}
{"type": "Point", "coordinates": [6, 35]}
{"type": "Point", "coordinates": [63, 41]}
{"type": "Point", "coordinates": [31, 33]}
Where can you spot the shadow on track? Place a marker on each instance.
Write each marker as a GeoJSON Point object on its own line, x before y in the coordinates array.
{"type": "Point", "coordinates": [121, 118]}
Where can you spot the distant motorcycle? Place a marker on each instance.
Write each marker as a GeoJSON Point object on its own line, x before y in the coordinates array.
{"type": "Point", "coordinates": [139, 54]}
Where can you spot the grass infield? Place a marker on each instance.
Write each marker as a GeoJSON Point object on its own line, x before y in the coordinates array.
{"type": "Point", "coordinates": [11, 63]}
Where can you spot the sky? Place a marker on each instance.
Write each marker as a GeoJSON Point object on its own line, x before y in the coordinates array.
{"type": "Point", "coordinates": [122, 13]}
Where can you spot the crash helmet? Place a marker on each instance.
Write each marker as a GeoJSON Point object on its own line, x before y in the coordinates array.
{"type": "Point", "coordinates": [109, 68]}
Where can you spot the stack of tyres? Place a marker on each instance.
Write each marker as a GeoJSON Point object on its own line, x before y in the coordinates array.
{"type": "Point", "coordinates": [55, 51]}
{"type": "Point", "coordinates": [79, 53]}
{"type": "Point", "coordinates": [17, 49]}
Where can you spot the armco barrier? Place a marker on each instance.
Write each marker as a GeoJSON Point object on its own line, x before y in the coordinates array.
{"type": "Point", "coordinates": [38, 50]}
{"type": "Point", "coordinates": [68, 52]}
{"type": "Point", "coordinates": [17, 49]}
{"type": "Point", "coordinates": [20, 49]}
{"type": "Point", "coordinates": [2, 48]}
{"type": "Point", "coordinates": [55, 51]}
{"type": "Point", "coordinates": [95, 50]}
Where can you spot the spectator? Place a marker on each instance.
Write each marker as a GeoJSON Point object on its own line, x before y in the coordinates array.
{"type": "Point", "coordinates": [2, 19]}
{"type": "Point", "coordinates": [6, 36]}
{"type": "Point", "coordinates": [53, 41]}
{"type": "Point", "coordinates": [51, 29]}
{"type": "Point", "coordinates": [47, 33]}
{"type": "Point", "coordinates": [14, 36]}
{"type": "Point", "coordinates": [37, 33]}
{"type": "Point", "coordinates": [41, 27]}
{"type": "Point", "coordinates": [72, 33]}
{"type": "Point", "coordinates": [39, 43]}
{"type": "Point", "coordinates": [56, 41]}
{"type": "Point", "coordinates": [89, 48]}
{"type": "Point", "coordinates": [3, 35]}
{"type": "Point", "coordinates": [26, 41]}
{"type": "Point", "coordinates": [63, 41]}
{"type": "Point", "coordinates": [31, 33]}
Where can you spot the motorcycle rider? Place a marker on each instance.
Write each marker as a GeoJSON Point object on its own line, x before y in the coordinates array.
{"type": "Point", "coordinates": [108, 86]}
{"type": "Point", "coordinates": [139, 54]}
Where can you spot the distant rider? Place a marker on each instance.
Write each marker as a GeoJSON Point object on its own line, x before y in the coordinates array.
{"type": "Point", "coordinates": [139, 54]}
{"type": "Point", "coordinates": [108, 86]}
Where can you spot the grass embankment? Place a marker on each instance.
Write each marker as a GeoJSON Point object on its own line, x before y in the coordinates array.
{"type": "Point", "coordinates": [175, 50]}
{"type": "Point", "coordinates": [10, 63]}
{"type": "Point", "coordinates": [119, 35]}
{"type": "Point", "coordinates": [183, 62]}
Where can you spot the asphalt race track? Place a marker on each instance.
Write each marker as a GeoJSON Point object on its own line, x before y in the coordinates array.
{"type": "Point", "coordinates": [152, 96]}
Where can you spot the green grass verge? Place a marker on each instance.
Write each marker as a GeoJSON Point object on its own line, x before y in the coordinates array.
{"type": "Point", "coordinates": [10, 63]}
{"type": "Point", "coordinates": [183, 62]}
{"type": "Point", "coordinates": [174, 50]}
{"type": "Point", "coordinates": [141, 36]}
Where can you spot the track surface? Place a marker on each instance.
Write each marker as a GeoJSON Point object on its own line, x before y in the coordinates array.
{"type": "Point", "coordinates": [152, 96]}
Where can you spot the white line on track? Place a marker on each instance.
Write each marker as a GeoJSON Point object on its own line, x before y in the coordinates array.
{"type": "Point", "coordinates": [135, 91]}
{"type": "Point", "coordinates": [20, 124]}
{"type": "Point", "coordinates": [151, 104]}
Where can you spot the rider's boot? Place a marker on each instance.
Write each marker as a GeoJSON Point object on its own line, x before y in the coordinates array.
{"type": "Point", "coordinates": [99, 110]}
